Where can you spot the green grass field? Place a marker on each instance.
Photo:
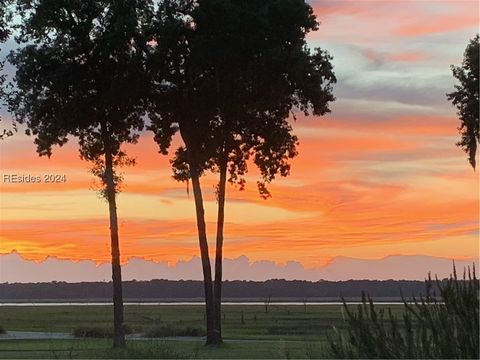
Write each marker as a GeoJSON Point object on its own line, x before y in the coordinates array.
{"type": "Point", "coordinates": [282, 332]}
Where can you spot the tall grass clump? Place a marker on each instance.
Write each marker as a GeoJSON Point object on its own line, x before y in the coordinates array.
{"type": "Point", "coordinates": [433, 327]}
{"type": "Point", "coordinates": [97, 332]}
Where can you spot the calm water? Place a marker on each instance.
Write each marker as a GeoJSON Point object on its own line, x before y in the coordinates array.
{"type": "Point", "coordinates": [186, 303]}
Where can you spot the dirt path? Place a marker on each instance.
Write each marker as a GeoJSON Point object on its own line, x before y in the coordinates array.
{"type": "Point", "coordinates": [35, 335]}
{"type": "Point", "coordinates": [40, 335]}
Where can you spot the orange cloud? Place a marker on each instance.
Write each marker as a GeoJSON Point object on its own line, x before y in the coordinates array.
{"type": "Point", "coordinates": [347, 216]}
{"type": "Point", "coordinates": [363, 188]}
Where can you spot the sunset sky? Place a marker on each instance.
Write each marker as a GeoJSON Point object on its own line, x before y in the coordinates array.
{"type": "Point", "coordinates": [379, 176]}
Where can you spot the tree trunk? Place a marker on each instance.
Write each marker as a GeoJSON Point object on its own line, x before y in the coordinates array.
{"type": "Point", "coordinates": [212, 335]}
{"type": "Point", "coordinates": [219, 247]}
{"type": "Point", "coordinates": [118, 329]}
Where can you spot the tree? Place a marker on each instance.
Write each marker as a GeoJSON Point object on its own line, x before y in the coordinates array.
{"type": "Point", "coordinates": [80, 74]}
{"type": "Point", "coordinates": [4, 35]}
{"type": "Point", "coordinates": [466, 99]}
{"type": "Point", "coordinates": [259, 83]}
{"type": "Point", "coordinates": [238, 70]}
{"type": "Point", "coordinates": [182, 103]}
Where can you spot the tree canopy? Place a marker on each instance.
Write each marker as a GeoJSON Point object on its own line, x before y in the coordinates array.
{"type": "Point", "coordinates": [78, 71]}
{"type": "Point", "coordinates": [466, 99]}
{"type": "Point", "coordinates": [241, 67]}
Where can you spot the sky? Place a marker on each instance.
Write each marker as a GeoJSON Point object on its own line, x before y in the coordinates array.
{"type": "Point", "coordinates": [380, 176]}
{"type": "Point", "coordinates": [399, 267]}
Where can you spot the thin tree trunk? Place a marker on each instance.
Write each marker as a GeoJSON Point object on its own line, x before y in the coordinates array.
{"type": "Point", "coordinates": [118, 329]}
{"type": "Point", "coordinates": [219, 247]}
{"type": "Point", "coordinates": [212, 334]}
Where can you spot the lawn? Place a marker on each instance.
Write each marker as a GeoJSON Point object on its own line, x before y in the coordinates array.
{"type": "Point", "coordinates": [158, 349]}
{"type": "Point", "coordinates": [286, 331]}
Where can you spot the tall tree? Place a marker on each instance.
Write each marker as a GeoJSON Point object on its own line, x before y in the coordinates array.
{"type": "Point", "coordinates": [244, 67]}
{"type": "Point", "coordinates": [183, 103]}
{"type": "Point", "coordinates": [466, 99]}
{"type": "Point", "coordinates": [259, 83]}
{"type": "Point", "coordinates": [80, 74]}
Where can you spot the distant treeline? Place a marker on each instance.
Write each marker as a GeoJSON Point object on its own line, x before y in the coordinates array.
{"type": "Point", "coordinates": [193, 290]}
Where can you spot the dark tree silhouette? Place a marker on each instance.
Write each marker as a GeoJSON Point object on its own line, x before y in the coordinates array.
{"type": "Point", "coordinates": [182, 103]}
{"type": "Point", "coordinates": [80, 74]}
{"type": "Point", "coordinates": [259, 83]}
{"type": "Point", "coordinates": [466, 99]}
{"type": "Point", "coordinates": [4, 35]}
{"type": "Point", "coordinates": [237, 71]}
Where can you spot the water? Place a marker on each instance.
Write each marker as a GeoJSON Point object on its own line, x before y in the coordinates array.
{"type": "Point", "coordinates": [189, 303]}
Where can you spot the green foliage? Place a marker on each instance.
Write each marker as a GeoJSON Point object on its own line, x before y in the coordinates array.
{"type": "Point", "coordinates": [445, 327]}
{"type": "Point", "coordinates": [466, 99]}
{"type": "Point", "coordinates": [166, 330]}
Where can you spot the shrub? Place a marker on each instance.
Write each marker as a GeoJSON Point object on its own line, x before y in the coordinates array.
{"type": "Point", "coordinates": [448, 328]}
{"type": "Point", "coordinates": [172, 330]}
{"type": "Point", "coordinates": [2, 330]}
{"type": "Point", "coordinates": [96, 332]}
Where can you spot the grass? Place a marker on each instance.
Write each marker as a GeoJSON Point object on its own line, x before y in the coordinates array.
{"type": "Point", "coordinates": [289, 322]}
{"type": "Point", "coordinates": [283, 332]}
{"type": "Point", "coordinates": [160, 331]}
{"type": "Point", "coordinates": [96, 332]}
{"type": "Point", "coordinates": [76, 349]}
{"type": "Point", "coordinates": [153, 349]}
